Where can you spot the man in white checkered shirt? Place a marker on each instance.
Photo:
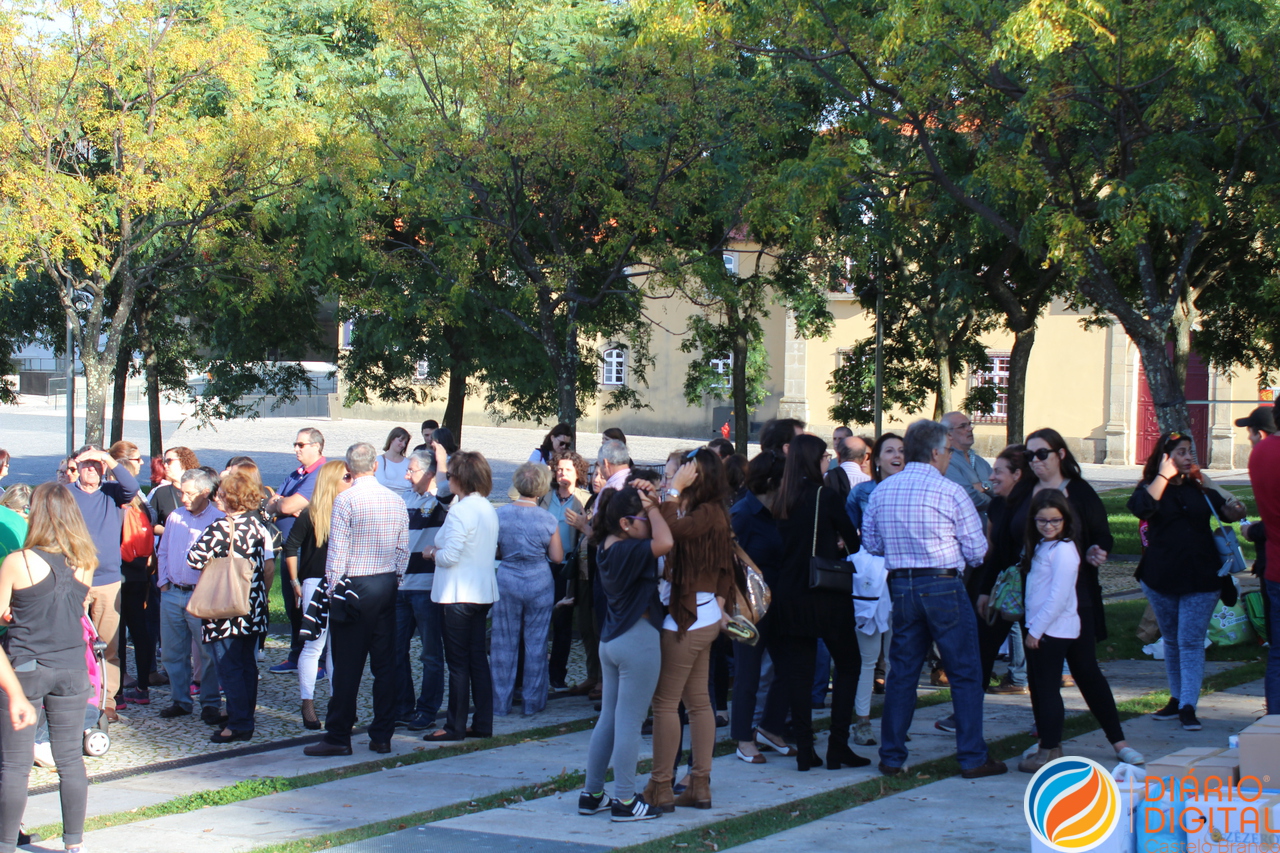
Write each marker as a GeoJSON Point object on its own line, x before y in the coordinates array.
{"type": "Point", "coordinates": [929, 532]}
{"type": "Point", "coordinates": [368, 543]}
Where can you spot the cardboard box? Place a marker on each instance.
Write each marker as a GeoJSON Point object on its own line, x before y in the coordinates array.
{"type": "Point", "coordinates": [1231, 825]}
{"type": "Point", "coordinates": [1223, 767]}
{"type": "Point", "coordinates": [1260, 754]}
{"type": "Point", "coordinates": [1178, 764]}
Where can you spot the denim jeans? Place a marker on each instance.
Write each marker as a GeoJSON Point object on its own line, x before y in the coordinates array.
{"type": "Point", "coordinates": [1183, 621]}
{"type": "Point", "coordinates": [237, 660]}
{"type": "Point", "coordinates": [417, 613]}
{"type": "Point", "coordinates": [177, 629]}
{"type": "Point", "coordinates": [1271, 590]}
{"type": "Point", "coordinates": [928, 610]}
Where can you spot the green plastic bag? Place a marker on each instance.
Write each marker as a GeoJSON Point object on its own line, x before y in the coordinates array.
{"type": "Point", "coordinates": [1254, 608]}
{"type": "Point", "coordinates": [1230, 626]}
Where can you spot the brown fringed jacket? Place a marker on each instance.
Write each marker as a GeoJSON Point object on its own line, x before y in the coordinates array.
{"type": "Point", "coordinates": [701, 561]}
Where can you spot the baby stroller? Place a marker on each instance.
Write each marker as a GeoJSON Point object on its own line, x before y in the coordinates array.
{"type": "Point", "coordinates": [96, 739]}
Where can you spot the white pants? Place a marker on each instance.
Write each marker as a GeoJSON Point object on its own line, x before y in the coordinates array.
{"type": "Point", "coordinates": [309, 658]}
{"type": "Point", "coordinates": [870, 645]}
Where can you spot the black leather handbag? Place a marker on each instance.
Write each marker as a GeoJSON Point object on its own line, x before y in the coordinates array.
{"type": "Point", "coordinates": [825, 573]}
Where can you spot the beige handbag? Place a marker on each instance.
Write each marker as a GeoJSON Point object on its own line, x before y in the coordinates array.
{"type": "Point", "coordinates": [223, 590]}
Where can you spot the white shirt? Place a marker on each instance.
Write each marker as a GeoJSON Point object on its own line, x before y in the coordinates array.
{"type": "Point", "coordinates": [391, 474]}
{"type": "Point", "coordinates": [466, 546]}
{"type": "Point", "coordinates": [1051, 591]}
{"type": "Point", "coordinates": [854, 472]}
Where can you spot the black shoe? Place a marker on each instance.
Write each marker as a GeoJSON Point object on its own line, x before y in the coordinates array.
{"type": "Point", "coordinates": [991, 768]}
{"type": "Point", "coordinates": [646, 728]}
{"type": "Point", "coordinates": [886, 770]}
{"type": "Point", "coordinates": [1168, 712]}
{"type": "Point", "coordinates": [381, 747]}
{"type": "Point", "coordinates": [637, 809]}
{"type": "Point", "coordinates": [558, 686]}
{"type": "Point", "coordinates": [594, 803]}
{"type": "Point", "coordinates": [806, 758]}
{"type": "Point", "coordinates": [175, 711]}
{"type": "Point", "coordinates": [946, 724]}
{"type": "Point", "coordinates": [25, 838]}
{"type": "Point", "coordinates": [840, 755]}
{"type": "Point", "coordinates": [219, 737]}
{"type": "Point", "coordinates": [212, 717]}
{"type": "Point", "coordinates": [325, 749]}
{"type": "Point", "coordinates": [1188, 717]}
{"type": "Point", "coordinates": [420, 723]}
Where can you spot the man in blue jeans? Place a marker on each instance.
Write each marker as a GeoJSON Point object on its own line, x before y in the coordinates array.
{"type": "Point", "coordinates": [929, 532]}
{"type": "Point", "coordinates": [1264, 476]}
{"type": "Point", "coordinates": [416, 613]}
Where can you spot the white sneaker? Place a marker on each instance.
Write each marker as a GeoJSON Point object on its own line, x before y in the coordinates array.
{"type": "Point", "coordinates": [44, 756]}
{"type": "Point", "coordinates": [1129, 755]}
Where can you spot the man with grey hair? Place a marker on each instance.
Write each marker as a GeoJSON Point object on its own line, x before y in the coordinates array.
{"type": "Point", "coordinates": [614, 463]}
{"type": "Point", "coordinates": [177, 581]}
{"type": "Point", "coordinates": [967, 469]}
{"type": "Point", "coordinates": [368, 545]}
{"type": "Point", "coordinates": [285, 506]}
{"type": "Point", "coordinates": [929, 532]}
{"type": "Point", "coordinates": [416, 613]}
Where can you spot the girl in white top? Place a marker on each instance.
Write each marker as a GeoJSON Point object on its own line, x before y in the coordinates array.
{"type": "Point", "coordinates": [393, 465]}
{"type": "Point", "coordinates": [1051, 567]}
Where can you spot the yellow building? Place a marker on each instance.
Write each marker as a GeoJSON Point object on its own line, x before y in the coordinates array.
{"type": "Point", "coordinates": [1086, 383]}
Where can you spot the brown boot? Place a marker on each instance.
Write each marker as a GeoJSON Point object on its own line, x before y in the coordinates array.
{"type": "Point", "coordinates": [660, 796]}
{"type": "Point", "coordinates": [697, 795]}
{"type": "Point", "coordinates": [1042, 757]}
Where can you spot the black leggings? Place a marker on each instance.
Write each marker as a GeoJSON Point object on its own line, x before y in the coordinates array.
{"type": "Point", "coordinates": [65, 696]}
{"type": "Point", "coordinates": [794, 660]}
{"type": "Point", "coordinates": [1044, 677]}
{"type": "Point", "coordinates": [1082, 659]}
{"type": "Point", "coordinates": [134, 613]}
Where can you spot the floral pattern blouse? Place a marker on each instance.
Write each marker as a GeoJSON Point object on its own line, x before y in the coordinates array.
{"type": "Point", "coordinates": [252, 541]}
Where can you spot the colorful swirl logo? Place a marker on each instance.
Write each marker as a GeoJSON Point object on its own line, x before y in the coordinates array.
{"type": "Point", "coordinates": [1072, 804]}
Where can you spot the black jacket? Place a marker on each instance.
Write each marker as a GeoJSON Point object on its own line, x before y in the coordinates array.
{"type": "Point", "coordinates": [798, 610]}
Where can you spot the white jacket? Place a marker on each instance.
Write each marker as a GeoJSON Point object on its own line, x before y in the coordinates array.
{"type": "Point", "coordinates": [465, 549]}
{"type": "Point", "coordinates": [1051, 591]}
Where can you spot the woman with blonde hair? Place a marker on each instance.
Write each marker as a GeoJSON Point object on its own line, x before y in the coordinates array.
{"type": "Point", "coordinates": [45, 586]}
{"type": "Point", "coordinates": [527, 536]}
{"type": "Point", "coordinates": [305, 554]}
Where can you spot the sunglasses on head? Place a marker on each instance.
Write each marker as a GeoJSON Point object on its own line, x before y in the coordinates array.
{"type": "Point", "coordinates": [692, 454]}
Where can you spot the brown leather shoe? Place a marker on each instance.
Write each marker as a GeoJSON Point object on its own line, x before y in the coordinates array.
{"type": "Point", "coordinates": [1008, 688]}
{"type": "Point", "coordinates": [697, 795]}
{"type": "Point", "coordinates": [660, 796]}
{"type": "Point", "coordinates": [938, 678]}
{"type": "Point", "coordinates": [324, 749]}
{"type": "Point", "coordinates": [991, 768]}
{"type": "Point", "coordinates": [582, 688]}
{"type": "Point", "coordinates": [1039, 759]}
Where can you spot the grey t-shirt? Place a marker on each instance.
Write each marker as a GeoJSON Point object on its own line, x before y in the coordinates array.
{"type": "Point", "coordinates": [524, 535]}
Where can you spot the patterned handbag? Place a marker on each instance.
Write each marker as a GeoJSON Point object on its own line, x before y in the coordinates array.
{"type": "Point", "coordinates": [1006, 600]}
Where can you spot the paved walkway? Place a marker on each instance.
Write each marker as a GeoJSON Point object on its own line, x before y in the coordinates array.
{"type": "Point", "coordinates": [738, 788]}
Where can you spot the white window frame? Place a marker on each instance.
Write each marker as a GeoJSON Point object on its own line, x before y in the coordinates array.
{"type": "Point", "coordinates": [730, 263]}
{"type": "Point", "coordinates": [345, 332]}
{"type": "Point", "coordinates": [723, 366]}
{"type": "Point", "coordinates": [613, 367]}
{"type": "Point", "coordinates": [999, 375]}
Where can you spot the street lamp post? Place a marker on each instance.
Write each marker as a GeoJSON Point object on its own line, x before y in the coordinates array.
{"type": "Point", "coordinates": [71, 376]}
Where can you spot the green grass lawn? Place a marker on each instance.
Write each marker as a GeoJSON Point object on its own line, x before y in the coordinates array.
{"type": "Point", "coordinates": [1124, 527]}
{"type": "Point", "coordinates": [1122, 643]}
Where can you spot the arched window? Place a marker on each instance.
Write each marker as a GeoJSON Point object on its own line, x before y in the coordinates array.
{"type": "Point", "coordinates": [615, 366]}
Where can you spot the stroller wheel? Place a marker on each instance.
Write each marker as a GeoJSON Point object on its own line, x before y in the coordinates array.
{"type": "Point", "coordinates": [96, 742]}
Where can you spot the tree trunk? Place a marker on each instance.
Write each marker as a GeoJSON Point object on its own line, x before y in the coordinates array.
{"type": "Point", "coordinates": [568, 396]}
{"type": "Point", "coordinates": [121, 384]}
{"type": "Point", "coordinates": [97, 379]}
{"type": "Point", "coordinates": [151, 365]}
{"type": "Point", "coordinates": [942, 403]}
{"type": "Point", "coordinates": [1183, 319]}
{"type": "Point", "coordinates": [741, 414]}
{"type": "Point", "coordinates": [456, 398]}
{"type": "Point", "coordinates": [1016, 394]}
{"type": "Point", "coordinates": [1168, 397]}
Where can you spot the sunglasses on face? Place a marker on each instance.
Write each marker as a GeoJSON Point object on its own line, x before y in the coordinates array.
{"type": "Point", "coordinates": [346, 478]}
{"type": "Point", "coordinates": [636, 517]}
{"type": "Point", "coordinates": [1042, 454]}
{"type": "Point", "coordinates": [303, 443]}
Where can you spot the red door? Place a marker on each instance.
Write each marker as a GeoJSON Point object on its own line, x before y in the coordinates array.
{"type": "Point", "coordinates": [1197, 388]}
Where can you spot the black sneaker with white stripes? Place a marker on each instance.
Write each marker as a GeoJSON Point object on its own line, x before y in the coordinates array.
{"type": "Point", "coordinates": [1188, 717]}
{"type": "Point", "coordinates": [1168, 712]}
{"type": "Point", "coordinates": [594, 803]}
{"type": "Point", "coordinates": [637, 809]}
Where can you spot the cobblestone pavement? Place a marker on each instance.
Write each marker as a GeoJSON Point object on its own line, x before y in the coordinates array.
{"type": "Point", "coordinates": [142, 738]}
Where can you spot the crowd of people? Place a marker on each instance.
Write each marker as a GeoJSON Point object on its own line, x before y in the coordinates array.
{"type": "Point", "coordinates": [882, 557]}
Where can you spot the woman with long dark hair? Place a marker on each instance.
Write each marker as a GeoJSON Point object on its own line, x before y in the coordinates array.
{"type": "Point", "coordinates": [813, 522]}
{"type": "Point", "coordinates": [560, 438]}
{"type": "Point", "coordinates": [1179, 570]}
{"type": "Point", "coordinates": [888, 457]}
{"type": "Point", "coordinates": [1056, 468]}
{"type": "Point", "coordinates": [698, 588]}
{"type": "Point", "coordinates": [44, 585]}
